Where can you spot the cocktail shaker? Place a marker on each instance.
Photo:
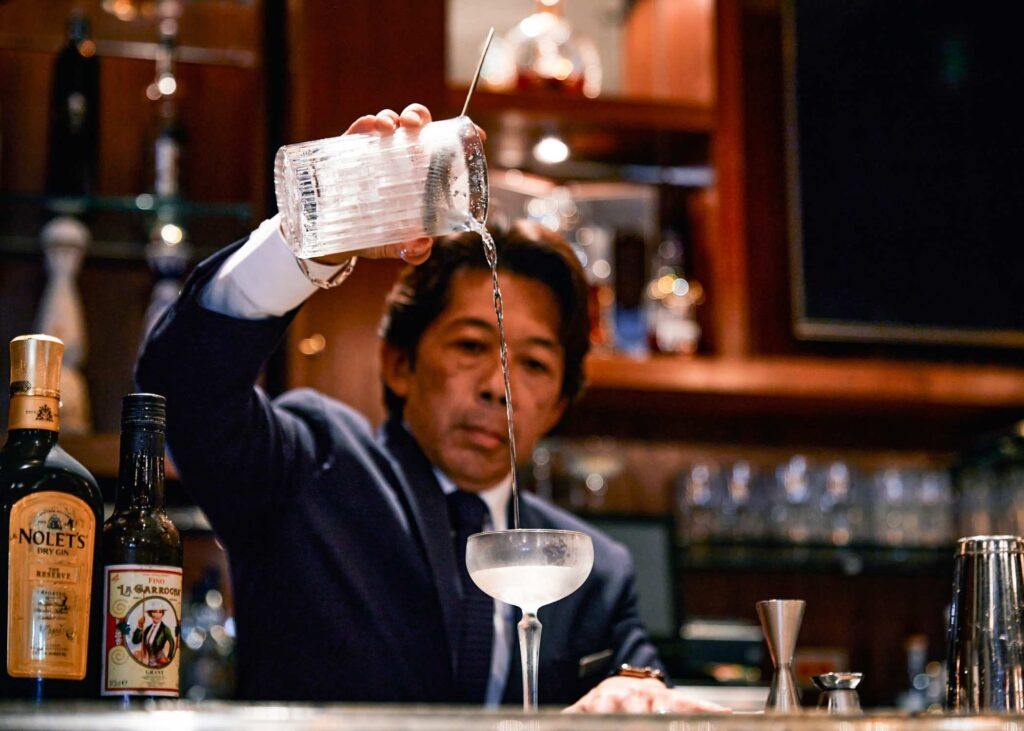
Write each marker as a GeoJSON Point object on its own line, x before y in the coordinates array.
{"type": "Point", "coordinates": [985, 664]}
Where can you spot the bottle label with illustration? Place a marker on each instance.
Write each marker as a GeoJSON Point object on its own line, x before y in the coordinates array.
{"type": "Point", "coordinates": [49, 585]}
{"type": "Point", "coordinates": [34, 412]}
{"type": "Point", "coordinates": [142, 632]}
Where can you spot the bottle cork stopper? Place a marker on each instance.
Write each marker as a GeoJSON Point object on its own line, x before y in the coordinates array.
{"type": "Point", "coordinates": [35, 365]}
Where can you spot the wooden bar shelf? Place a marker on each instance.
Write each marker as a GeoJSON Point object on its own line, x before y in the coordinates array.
{"type": "Point", "coordinates": [806, 401]}
{"type": "Point", "coordinates": [837, 383]}
{"type": "Point", "coordinates": [606, 111]}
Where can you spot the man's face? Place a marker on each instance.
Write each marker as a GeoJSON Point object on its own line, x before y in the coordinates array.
{"type": "Point", "coordinates": [455, 394]}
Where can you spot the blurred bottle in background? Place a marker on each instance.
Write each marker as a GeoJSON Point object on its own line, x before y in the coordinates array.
{"type": "Point", "coordinates": [630, 263]}
{"type": "Point", "coordinates": [208, 642]}
{"type": "Point", "coordinates": [548, 54]}
{"type": "Point", "coordinates": [927, 679]}
{"type": "Point", "coordinates": [74, 114]}
{"type": "Point", "coordinates": [795, 512]}
{"type": "Point", "coordinates": [843, 516]}
{"type": "Point", "coordinates": [699, 495]}
{"type": "Point", "coordinates": [990, 485]}
{"type": "Point", "coordinates": [594, 247]}
{"type": "Point", "coordinates": [670, 300]}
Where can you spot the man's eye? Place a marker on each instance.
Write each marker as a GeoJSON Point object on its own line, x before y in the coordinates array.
{"type": "Point", "coordinates": [470, 346]}
{"type": "Point", "coordinates": [536, 366]}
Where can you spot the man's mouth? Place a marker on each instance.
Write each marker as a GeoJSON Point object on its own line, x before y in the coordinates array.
{"type": "Point", "coordinates": [484, 437]}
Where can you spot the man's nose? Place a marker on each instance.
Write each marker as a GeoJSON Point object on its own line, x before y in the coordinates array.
{"type": "Point", "coordinates": [492, 384]}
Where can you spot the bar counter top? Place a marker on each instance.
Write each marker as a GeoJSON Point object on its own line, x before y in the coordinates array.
{"type": "Point", "coordinates": [218, 716]}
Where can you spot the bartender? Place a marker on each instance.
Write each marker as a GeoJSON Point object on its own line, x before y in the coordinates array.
{"type": "Point", "coordinates": [347, 546]}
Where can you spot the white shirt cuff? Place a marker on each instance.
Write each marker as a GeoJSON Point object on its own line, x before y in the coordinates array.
{"type": "Point", "coordinates": [262, 279]}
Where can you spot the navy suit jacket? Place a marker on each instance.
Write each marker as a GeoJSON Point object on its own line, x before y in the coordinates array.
{"type": "Point", "coordinates": [341, 554]}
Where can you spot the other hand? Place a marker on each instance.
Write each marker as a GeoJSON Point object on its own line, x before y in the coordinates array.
{"type": "Point", "coordinates": [640, 695]}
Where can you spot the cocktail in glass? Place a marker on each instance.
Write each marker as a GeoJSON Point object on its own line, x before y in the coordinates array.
{"type": "Point", "coordinates": [363, 190]}
{"type": "Point", "coordinates": [529, 569]}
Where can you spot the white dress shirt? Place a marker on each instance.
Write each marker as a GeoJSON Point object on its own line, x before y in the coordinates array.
{"type": "Point", "coordinates": [262, 279]}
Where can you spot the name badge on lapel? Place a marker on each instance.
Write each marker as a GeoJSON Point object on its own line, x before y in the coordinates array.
{"type": "Point", "coordinates": [594, 663]}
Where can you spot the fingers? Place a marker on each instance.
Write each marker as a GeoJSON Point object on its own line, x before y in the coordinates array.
{"type": "Point", "coordinates": [366, 123]}
{"type": "Point", "coordinates": [387, 121]}
{"type": "Point", "coordinates": [618, 695]}
{"type": "Point", "coordinates": [583, 704]}
{"type": "Point", "coordinates": [416, 115]}
{"type": "Point", "coordinates": [417, 251]}
{"type": "Point", "coordinates": [637, 702]}
{"type": "Point", "coordinates": [676, 702]}
{"type": "Point", "coordinates": [383, 122]}
{"type": "Point", "coordinates": [413, 252]}
{"type": "Point", "coordinates": [604, 703]}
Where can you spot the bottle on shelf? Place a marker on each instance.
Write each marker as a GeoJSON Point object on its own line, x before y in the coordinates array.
{"type": "Point", "coordinates": [50, 514]}
{"type": "Point", "coordinates": [168, 252]}
{"type": "Point", "coordinates": [671, 300]}
{"type": "Point", "coordinates": [142, 564]}
{"type": "Point", "coordinates": [74, 114]}
{"type": "Point", "coordinates": [548, 54]}
{"type": "Point", "coordinates": [209, 640]}
{"type": "Point", "coordinates": [630, 262]}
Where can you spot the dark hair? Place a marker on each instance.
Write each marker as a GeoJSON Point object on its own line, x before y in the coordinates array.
{"type": "Point", "coordinates": [528, 249]}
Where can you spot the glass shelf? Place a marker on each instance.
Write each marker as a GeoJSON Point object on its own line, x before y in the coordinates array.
{"type": "Point", "coordinates": [142, 203]}
{"type": "Point", "coordinates": [847, 560]}
{"type": "Point", "coordinates": [120, 226]}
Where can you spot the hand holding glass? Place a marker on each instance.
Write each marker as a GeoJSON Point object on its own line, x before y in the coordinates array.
{"type": "Point", "coordinates": [359, 191]}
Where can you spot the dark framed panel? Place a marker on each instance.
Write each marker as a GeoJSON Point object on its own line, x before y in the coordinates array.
{"type": "Point", "coordinates": [904, 167]}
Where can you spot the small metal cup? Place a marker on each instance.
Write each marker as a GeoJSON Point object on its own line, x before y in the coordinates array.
{"type": "Point", "coordinates": [839, 693]}
{"type": "Point", "coordinates": [985, 664]}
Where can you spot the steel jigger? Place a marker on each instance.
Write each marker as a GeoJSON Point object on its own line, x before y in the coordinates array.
{"type": "Point", "coordinates": [780, 623]}
{"type": "Point", "coordinates": [839, 693]}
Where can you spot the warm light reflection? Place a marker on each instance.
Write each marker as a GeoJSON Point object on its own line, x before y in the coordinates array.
{"type": "Point", "coordinates": [171, 234]}
{"type": "Point", "coordinates": [601, 269]}
{"type": "Point", "coordinates": [551, 150]}
{"type": "Point", "coordinates": [167, 85]}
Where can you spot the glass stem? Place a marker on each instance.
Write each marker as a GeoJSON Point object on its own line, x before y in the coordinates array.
{"type": "Point", "coordinates": [529, 648]}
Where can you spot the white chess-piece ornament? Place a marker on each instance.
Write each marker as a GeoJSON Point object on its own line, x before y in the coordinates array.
{"type": "Point", "coordinates": [64, 240]}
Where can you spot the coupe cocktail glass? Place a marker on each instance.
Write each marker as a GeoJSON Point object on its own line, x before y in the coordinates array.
{"type": "Point", "coordinates": [529, 569]}
{"type": "Point", "coordinates": [363, 190]}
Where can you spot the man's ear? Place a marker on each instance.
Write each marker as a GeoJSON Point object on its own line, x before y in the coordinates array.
{"type": "Point", "coordinates": [395, 369]}
{"type": "Point", "coordinates": [556, 414]}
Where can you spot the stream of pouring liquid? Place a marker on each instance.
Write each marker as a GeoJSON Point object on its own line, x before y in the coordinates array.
{"type": "Point", "coordinates": [492, 260]}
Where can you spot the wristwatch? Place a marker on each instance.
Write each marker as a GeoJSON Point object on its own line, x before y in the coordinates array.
{"type": "Point", "coordinates": [628, 671]}
{"type": "Point", "coordinates": [334, 280]}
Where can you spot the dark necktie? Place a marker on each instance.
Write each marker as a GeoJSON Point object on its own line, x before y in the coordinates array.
{"type": "Point", "coordinates": [476, 628]}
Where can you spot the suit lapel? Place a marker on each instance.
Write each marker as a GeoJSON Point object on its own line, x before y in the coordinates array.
{"type": "Point", "coordinates": [426, 502]}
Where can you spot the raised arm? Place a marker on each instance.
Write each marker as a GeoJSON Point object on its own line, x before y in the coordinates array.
{"type": "Point", "coordinates": [240, 456]}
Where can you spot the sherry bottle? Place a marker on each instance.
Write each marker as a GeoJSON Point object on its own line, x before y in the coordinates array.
{"type": "Point", "coordinates": [50, 514]}
{"type": "Point", "coordinates": [142, 564]}
{"type": "Point", "coordinates": [74, 114]}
